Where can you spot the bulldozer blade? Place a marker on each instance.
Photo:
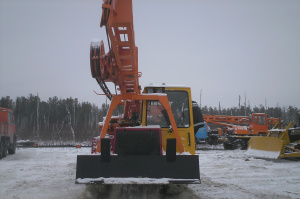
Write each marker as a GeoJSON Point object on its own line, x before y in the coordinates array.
{"type": "Point", "coordinates": [265, 147]}
{"type": "Point", "coordinates": [137, 169]}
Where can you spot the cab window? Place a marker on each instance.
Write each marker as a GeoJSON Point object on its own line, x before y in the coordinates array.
{"type": "Point", "coordinates": [262, 120]}
{"type": "Point", "coordinates": [157, 115]}
{"type": "Point", "coordinates": [255, 119]}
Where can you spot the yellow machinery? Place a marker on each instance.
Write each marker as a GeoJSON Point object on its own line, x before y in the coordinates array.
{"type": "Point", "coordinates": [181, 104]}
{"type": "Point", "coordinates": [280, 143]}
{"type": "Point", "coordinates": [154, 151]}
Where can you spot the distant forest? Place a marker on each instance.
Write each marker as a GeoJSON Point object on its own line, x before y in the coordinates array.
{"type": "Point", "coordinates": [55, 119]}
{"type": "Point", "coordinates": [69, 120]}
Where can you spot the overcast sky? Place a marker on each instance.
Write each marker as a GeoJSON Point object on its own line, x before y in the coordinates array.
{"type": "Point", "coordinates": [224, 48]}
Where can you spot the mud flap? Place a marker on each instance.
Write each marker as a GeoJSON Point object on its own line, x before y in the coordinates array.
{"type": "Point", "coordinates": [265, 147]}
{"type": "Point", "coordinates": [137, 169]}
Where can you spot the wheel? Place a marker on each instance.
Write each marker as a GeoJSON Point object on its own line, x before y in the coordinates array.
{"type": "Point", "coordinates": [239, 144]}
{"type": "Point", "coordinates": [5, 146]}
{"type": "Point", "coordinates": [228, 146]}
{"type": "Point", "coordinates": [12, 150]}
{"type": "Point", "coordinates": [1, 149]}
{"type": "Point", "coordinates": [212, 140]}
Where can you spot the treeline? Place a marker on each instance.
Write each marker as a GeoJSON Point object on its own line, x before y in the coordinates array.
{"type": "Point", "coordinates": [55, 119]}
{"type": "Point", "coordinates": [69, 120]}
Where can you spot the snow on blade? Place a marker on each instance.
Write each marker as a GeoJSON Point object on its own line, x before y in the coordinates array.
{"type": "Point", "coordinates": [262, 153]}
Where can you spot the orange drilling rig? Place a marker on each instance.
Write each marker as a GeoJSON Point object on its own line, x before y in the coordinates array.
{"type": "Point", "coordinates": [239, 129]}
{"type": "Point", "coordinates": [153, 141]}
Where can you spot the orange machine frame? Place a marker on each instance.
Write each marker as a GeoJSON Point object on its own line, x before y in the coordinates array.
{"type": "Point", "coordinates": [120, 65]}
{"type": "Point", "coordinates": [253, 127]}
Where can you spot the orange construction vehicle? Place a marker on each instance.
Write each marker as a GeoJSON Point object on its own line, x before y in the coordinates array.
{"type": "Point", "coordinates": [153, 141]}
{"type": "Point", "coordinates": [8, 135]}
{"type": "Point", "coordinates": [239, 129]}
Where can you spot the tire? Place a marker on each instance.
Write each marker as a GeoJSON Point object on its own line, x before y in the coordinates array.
{"type": "Point", "coordinates": [212, 140]}
{"type": "Point", "coordinates": [1, 149]}
{"type": "Point", "coordinates": [239, 144]}
{"type": "Point", "coordinates": [5, 145]}
{"type": "Point", "coordinates": [228, 146]}
{"type": "Point", "coordinates": [12, 150]}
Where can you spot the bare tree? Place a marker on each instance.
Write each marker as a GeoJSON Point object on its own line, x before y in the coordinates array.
{"type": "Point", "coordinates": [70, 123]}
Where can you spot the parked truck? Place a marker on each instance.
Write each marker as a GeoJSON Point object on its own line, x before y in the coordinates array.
{"type": "Point", "coordinates": [8, 135]}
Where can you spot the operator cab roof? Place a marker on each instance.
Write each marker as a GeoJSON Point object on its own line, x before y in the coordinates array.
{"type": "Point", "coordinates": [166, 85]}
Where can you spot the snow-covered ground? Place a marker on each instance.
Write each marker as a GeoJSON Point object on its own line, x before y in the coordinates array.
{"type": "Point", "coordinates": [233, 174]}
{"type": "Point", "coordinates": [46, 173]}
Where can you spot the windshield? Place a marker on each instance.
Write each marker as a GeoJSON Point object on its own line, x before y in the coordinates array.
{"type": "Point", "coordinates": [157, 115]}
{"type": "Point", "coordinates": [262, 120]}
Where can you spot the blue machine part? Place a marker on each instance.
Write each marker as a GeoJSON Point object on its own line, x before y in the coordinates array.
{"type": "Point", "coordinates": [201, 133]}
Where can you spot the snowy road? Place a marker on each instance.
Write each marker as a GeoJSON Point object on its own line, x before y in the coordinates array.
{"type": "Point", "coordinates": [46, 173]}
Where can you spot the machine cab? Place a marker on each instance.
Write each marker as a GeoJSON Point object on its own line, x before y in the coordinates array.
{"type": "Point", "coordinates": [258, 122]}
{"type": "Point", "coordinates": [181, 106]}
